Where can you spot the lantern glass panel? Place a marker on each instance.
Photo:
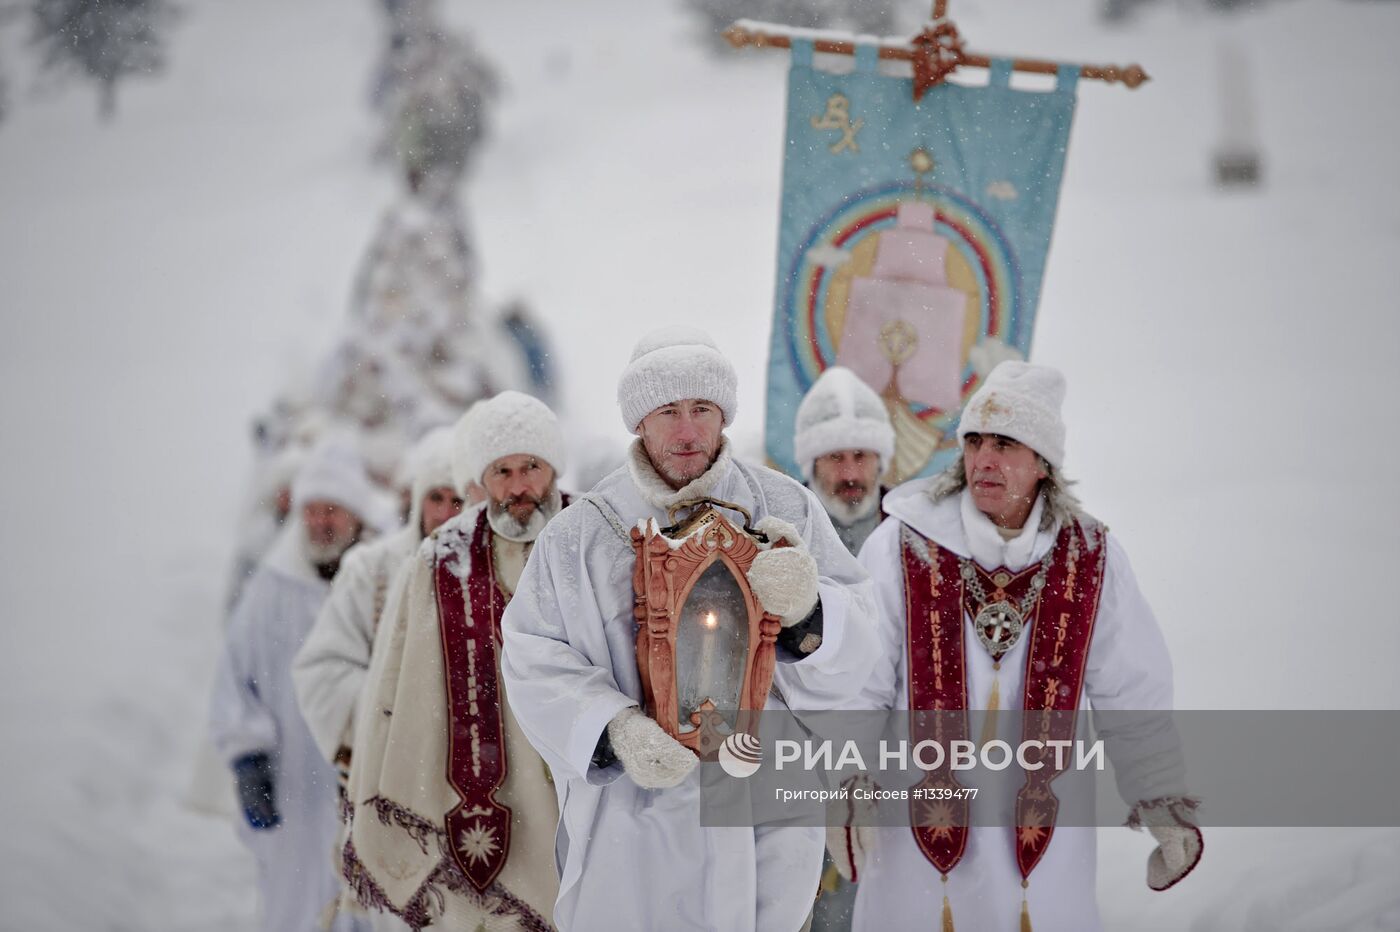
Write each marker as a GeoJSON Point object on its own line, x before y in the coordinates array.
{"type": "Point", "coordinates": [712, 642]}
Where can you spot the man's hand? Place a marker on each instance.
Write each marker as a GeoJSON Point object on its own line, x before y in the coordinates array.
{"type": "Point", "coordinates": [653, 759]}
{"type": "Point", "coordinates": [785, 578]}
{"type": "Point", "coordinates": [256, 790]}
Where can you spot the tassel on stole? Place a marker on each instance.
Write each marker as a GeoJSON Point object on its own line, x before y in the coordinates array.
{"type": "Point", "coordinates": [989, 724]}
{"type": "Point", "coordinates": [947, 915]}
{"type": "Point", "coordinates": [1025, 916]}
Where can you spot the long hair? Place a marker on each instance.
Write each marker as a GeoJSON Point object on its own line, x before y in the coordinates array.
{"type": "Point", "coordinates": [1061, 505]}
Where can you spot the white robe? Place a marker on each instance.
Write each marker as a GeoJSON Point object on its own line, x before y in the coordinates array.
{"type": "Point", "coordinates": [632, 858]}
{"type": "Point", "coordinates": [1128, 669]}
{"type": "Point", "coordinates": [330, 669]}
{"type": "Point", "coordinates": [254, 709]}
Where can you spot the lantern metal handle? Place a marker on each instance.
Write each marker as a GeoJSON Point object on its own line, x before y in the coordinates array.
{"type": "Point", "coordinates": [693, 502]}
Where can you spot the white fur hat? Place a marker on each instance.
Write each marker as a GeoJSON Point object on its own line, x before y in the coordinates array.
{"type": "Point", "coordinates": [672, 364]}
{"type": "Point", "coordinates": [841, 412]}
{"type": "Point", "coordinates": [461, 478]}
{"type": "Point", "coordinates": [429, 466]}
{"type": "Point", "coordinates": [335, 472]}
{"type": "Point", "coordinates": [510, 423]}
{"type": "Point", "coordinates": [278, 471]}
{"type": "Point", "coordinates": [1022, 401]}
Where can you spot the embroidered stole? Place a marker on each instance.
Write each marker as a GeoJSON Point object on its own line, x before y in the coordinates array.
{"type": "Point", "coordinates": [1060, 630]}
{"type": "Point", "coordinates": [478, 829]}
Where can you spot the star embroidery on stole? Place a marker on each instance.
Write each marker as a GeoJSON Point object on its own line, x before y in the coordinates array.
{"type": "Point", "coordinates": [939, 818]}
{"type": "Point", "coordinates": [478, 842]}
{"type": "Point", "coordinates": [1033, 831]}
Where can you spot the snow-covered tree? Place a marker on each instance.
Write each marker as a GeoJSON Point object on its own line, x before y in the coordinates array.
{"type": "Point", "coordinates": [9, 11]}
{"type": "Point", "coordinates": [406, 23]}
{"type": "Point", "coordinates": [102, 40]}
{"type": "Point", "coordinates": [438, 114]}
{"type": "Point", "coordinates": [418, 346]}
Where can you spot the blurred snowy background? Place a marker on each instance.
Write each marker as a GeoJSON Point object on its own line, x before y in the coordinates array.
{"type": "Point", "coordinates": [174, 271]}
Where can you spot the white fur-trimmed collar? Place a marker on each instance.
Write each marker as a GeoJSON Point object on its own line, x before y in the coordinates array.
{"type": "Point", "coordinates": [986, 543]}
{"type": "Point", "coordinates": [454, 536]}
{"type": "Point", "coordinates": [942, 521]}
{"type": "Point", "coordinates": [656, 492]}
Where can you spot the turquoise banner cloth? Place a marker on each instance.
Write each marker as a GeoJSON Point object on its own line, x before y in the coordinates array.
{"type": "Point", "coordinates": [913, 241]}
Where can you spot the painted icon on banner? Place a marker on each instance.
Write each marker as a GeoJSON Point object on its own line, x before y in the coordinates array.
{"type": "Point", "coordinates": [909, 291]}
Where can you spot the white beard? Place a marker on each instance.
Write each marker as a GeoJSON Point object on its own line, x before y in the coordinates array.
{"type": "Point", "coordinates": [506, 526]}
{"type": "Point", "coordinates": [846, 513]}
{"type": "Point", "coordinates": [321, 554]}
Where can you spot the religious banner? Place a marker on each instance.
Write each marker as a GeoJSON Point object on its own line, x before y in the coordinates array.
{"type": "Point", "coordinates": [913, 240]}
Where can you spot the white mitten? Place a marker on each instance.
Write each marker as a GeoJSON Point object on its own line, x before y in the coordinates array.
{"type": "Point", "coordinates": [1179, 841]}
{"type": "Point", "coordinates": [848, 845]}
{"type": "Point", "coordinates": [785, 578]}
{"type": "Point", "coordinates": [653, 759]}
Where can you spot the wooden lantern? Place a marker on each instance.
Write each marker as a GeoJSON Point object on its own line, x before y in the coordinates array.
{"type": "Point", "coordinates": [705, 646]}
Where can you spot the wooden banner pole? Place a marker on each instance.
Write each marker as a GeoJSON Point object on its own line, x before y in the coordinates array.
{"type": "Point", "coordinates": [749, 34]}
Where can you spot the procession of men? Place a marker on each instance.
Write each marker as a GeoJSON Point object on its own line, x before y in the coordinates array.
{"type": "Point", "coordinates": [447, 726]}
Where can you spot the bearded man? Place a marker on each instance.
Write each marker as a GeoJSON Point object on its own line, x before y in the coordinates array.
{"type": "Point", "coordinates": [454, 816]}
{"type": "Point", "coordinates": [843, 444]}
{"type": "Point", "coordinates": [329, 670]}
{"type": "Point", "coordinates": [1046, 616]}
{"type": "Point", "coordinates": [633, 852]}
{"type": "Point", "coordinates": [287, 791]}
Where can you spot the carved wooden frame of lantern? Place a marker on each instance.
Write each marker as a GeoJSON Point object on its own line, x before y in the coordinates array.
{"type": "Point", "coordinates": [695, 612]}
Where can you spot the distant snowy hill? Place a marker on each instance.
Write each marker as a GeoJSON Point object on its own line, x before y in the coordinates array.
{"type": "Point", "coordinates": [1232, 395]}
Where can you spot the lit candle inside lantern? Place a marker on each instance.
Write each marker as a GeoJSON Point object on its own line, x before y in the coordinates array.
{"type": "Point", "coordinates": [707, 656]}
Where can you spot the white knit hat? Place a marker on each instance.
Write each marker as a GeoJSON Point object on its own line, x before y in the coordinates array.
{"type": "Point", "coordinates": [335, 472]}
{"type": "Point", "coordinates": [672, 364]}
{"type": "Point", "coordinates": [429, 466]}
{"type": "Point", "coordinates": [510, 423]}
{"type": "Point", "coordinates": [1022, 401]}
{"type": "Point", "coordinates": [841, 412]}
{"type": "Point", "coordinates": [461, 478]}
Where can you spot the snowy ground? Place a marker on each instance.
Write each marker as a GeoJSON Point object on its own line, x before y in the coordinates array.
{"type": "Point", "coordinates": [1232, 402]}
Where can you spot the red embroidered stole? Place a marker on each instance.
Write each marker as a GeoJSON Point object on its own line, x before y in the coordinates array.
{"type": "Point", "coordinates": [478, 829]}
{"type": "Point", "coordinates": [1060, 631]}
{"type": "Point", "coordinates": [937, 683]}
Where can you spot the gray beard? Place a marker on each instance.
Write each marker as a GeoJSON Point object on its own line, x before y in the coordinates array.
{"type": "Point", "coordinates": [322, 554]}
{"type": "Point", "coordinates": [503, 524]}
{"type": "Point", "coordinates": [842, 511]}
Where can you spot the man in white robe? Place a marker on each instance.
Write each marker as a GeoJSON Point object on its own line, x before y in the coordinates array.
{"type": "Point", "coordinates": [454, 814]}
{"type": "Point", "coordinates": [844, 444]}
{"type": "Point", "coordinates": [287, 791]}
{"type": "Point", "coordinates": [631, 849]}
{"type": "Point", "coordinates": [329, 671]}
{"type": "Point", "coordinates": [1003, 506]}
